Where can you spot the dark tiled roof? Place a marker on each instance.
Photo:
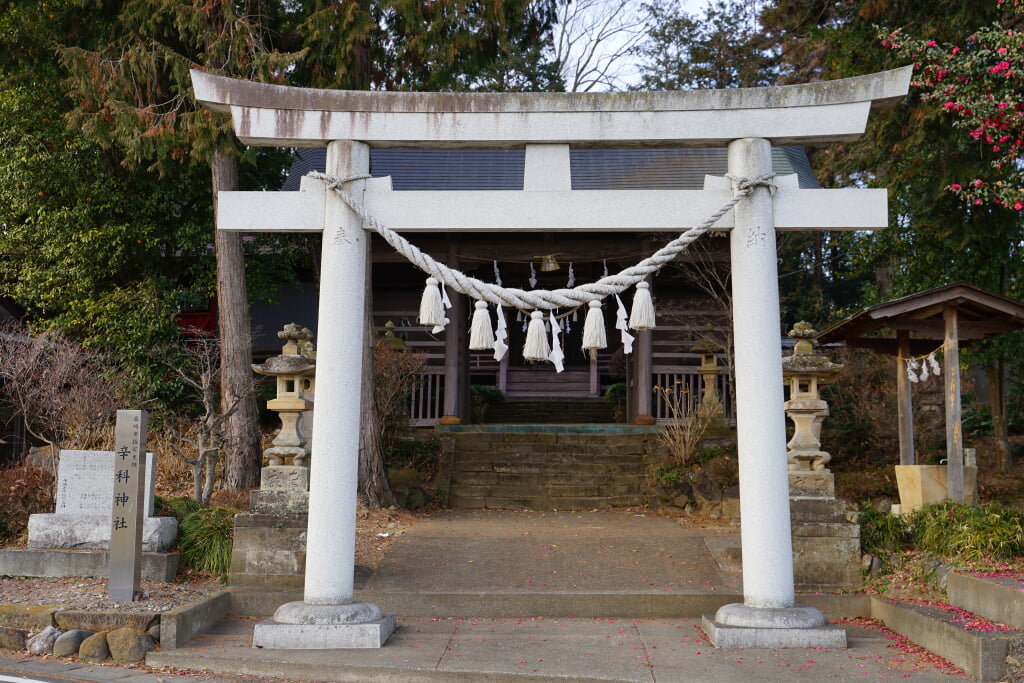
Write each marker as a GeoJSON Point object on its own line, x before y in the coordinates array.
{"type": "Point", "coordinates": [592, 169]}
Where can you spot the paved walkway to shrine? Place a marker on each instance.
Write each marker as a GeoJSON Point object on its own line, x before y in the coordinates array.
{"type": "Point", "coordinates": [510, 596]}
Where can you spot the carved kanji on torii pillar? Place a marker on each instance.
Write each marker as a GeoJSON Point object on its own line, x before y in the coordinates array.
{"type": "Point", "coordinates": [746, 121]}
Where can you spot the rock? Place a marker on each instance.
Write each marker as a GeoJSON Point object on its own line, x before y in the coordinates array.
{"type": "Point", "coordinates": [154, 631]}
{"type": "Point", "coordinates": [12, 638]}
{"type": "Point", "coordinates": [731, 502]}
{"type": "Point", "coordinates": [42, 642]}
{"type": "Point", "coordinates": [416, 498]}
{"type": "Point", "coordinates": [94, 648]}
{"type": "Point", "coordinates": [129, 645]}
{"type": "Point", "coordinates": [31, 618]}
{"type": "Point", "coordinates": [401, 495]}
{"type": "Point", "coordinates": [104, 621]}
{"type": "Point", "coordinates": [707, 492]}
{"type": "Point", "coordinates": [67, 643]}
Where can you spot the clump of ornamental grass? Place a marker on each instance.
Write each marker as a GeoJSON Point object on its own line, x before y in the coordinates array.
{"type": "Point", "coordinates": [205, 539]}
{"type": "Point", "coordinates": [968, 533]}
{"type": "Point", "coordinates": [178, 507]}
{"type": "Point", "coordinates": [882, 533]}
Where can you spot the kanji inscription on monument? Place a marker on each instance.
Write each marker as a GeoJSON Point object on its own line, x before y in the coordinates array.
{"type": "Point", "coordinates": [127, 505]}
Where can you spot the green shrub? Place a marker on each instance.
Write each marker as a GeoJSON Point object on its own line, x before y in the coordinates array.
{"type": "Point", "coordinates": [179, 508]}
{"type": "Point", "coordinates": [205, 539]}
{"type": "Point", "coordinates": [968, 533]}
{"type": "Point", "coordinates": [707, 453]}
{"type": "Point", "coordinates": [420, 451]}
{"type": "Point", "coordinates": [666, 473]}
{"type": "Point", "coordinates": [881, 532]}
{"type": "Point", "coordinates": [486, 393]}
{"type": "Point", "coordinates": [615, 393]}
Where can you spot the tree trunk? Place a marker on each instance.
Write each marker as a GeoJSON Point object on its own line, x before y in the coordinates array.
{"type": "Point", "coordinates": [997, 406]}
{"type": "Point", "coordinates": [374, 488]}
{"type": "Point", "coordinates": [242, 456]}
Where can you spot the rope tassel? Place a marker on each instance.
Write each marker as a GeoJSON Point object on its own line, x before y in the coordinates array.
{"type": "Point", "coordinates": [642, 315]}
{"type": "Point", "coordinates": [431, 306]}
{"type": "Point", "coordinates": [481, 336]}
{"type": "Point", "coordinates": [594, 336]}
{"type": "Point", "coordinates": [536, 347]}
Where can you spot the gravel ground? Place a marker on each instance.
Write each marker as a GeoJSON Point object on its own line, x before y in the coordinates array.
{"type": "Point", "coordinates": [376, 531]}
{"type": "Point", "coordinates": [91, 594]}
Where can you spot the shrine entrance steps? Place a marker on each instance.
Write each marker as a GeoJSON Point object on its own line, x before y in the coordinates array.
{"type": "Point", "coordinates": [549, 467]}
{"type": "Point", "coordinates": [591, 410]}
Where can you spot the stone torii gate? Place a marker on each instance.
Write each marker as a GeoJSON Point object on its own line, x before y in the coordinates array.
{"type": "Point", "coordinates": [747, 121]}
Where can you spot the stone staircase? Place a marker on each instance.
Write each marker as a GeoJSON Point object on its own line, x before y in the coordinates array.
{"type": "Point", "coordinates": [549, 467]}
{"type": "Point", "coordinates": [578, 410]}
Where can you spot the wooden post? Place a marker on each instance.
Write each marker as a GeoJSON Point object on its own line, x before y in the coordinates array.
{"type": "Point", "coordinates": [454, 340]}
{"type": "Point", "coordinates": [954, 429]}
{"type": "Point", "coordinates": [904, 400]}
{"type": "Point", "coordinates": [644, 367]}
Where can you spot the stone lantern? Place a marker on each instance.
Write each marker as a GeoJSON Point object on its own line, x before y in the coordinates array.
{"type": "Point", "coordinates": [826, 545]}
{"type": "Point", "coordinates": [709, 347]}
{"type": "Point", "coordinates": [294, 373]}
{"type": "Point", "coordinates": [805, 372]}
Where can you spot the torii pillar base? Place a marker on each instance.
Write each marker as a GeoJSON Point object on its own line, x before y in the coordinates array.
{"type": "Point", "coordinates": [738, 626]}
{"type": "Point", "coordinates": [299, 626]}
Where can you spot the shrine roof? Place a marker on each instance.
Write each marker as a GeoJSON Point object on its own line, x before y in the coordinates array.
{"type": "Point", "coordinates": [980, 314]}
{"type": "Point", "coordinates": [592, 169]}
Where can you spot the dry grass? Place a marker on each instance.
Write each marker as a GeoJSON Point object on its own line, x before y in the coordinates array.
{"type": "Point", "coordinates": [688, 423]}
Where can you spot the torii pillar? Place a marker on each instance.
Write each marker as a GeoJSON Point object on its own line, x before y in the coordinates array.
{"type": "Point", "coordinates": [747, 121]}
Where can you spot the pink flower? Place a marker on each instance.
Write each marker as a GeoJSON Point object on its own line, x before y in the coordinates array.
{"type": "Point", "coordinates": [978, 182]}
{"type": "Point", "coordinates": [955, 187]}
{"type": "Point", "coordinates": [932, 43]}
{"type": "Point", "coordinates": [1018, 205]}
{"type": "Point", "coordinates": [1001, 51]}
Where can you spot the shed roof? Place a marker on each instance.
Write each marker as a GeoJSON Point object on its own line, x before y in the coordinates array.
{"type": "Point", "coordinates": [592, 169]}
{"type": "Point", "coordinates": [980, 314]}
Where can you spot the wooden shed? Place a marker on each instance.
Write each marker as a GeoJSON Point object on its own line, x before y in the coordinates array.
{"type": "Point", "coordinates": [916, 325]}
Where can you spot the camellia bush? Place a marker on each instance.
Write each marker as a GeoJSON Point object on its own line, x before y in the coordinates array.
{"type": "Point", "coordinates": [980, 84]}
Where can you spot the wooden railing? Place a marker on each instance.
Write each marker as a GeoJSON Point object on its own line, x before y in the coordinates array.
{"type": "Point", "coordinates": [426, 400]}
{"type": "Point", "coordinates": [686, 379]}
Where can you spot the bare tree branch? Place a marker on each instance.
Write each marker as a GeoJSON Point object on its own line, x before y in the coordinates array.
{"type": "Point", "coordinates": [594, 43]}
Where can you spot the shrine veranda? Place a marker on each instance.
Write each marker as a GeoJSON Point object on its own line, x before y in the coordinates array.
{"type": "Point", "coordinates": [745, 121]}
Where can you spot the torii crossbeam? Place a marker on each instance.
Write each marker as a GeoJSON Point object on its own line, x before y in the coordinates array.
{"type": "Point", "coordinates": [746, 121]}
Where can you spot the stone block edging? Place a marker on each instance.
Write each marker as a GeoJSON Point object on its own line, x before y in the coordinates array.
{"type": "Point", "coordinates": [981, 654]}
{"type": "Point", "coordinates": [178, 626]}
{"type": "Point", "coordinates": [993, 597]}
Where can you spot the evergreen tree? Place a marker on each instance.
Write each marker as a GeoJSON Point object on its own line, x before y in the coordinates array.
{"type": "Point", "coordinates": [134, 92]}
{"type": "Point", "coordinates": [722, 48]}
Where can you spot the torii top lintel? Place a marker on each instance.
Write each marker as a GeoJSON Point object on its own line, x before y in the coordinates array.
{"type": "Point", "coordinates": [276, 115]}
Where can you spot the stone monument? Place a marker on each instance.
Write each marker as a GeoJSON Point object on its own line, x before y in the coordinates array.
{"type": "Point", "coordinates": [126, 505]}
{"type": "Point", "coordinates": [74, 540]}
{"type": "Point", "coordinates": [826, 543]}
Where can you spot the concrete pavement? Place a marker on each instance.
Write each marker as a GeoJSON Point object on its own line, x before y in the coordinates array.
{"type": "Point", "coordinates": [485, 596]}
